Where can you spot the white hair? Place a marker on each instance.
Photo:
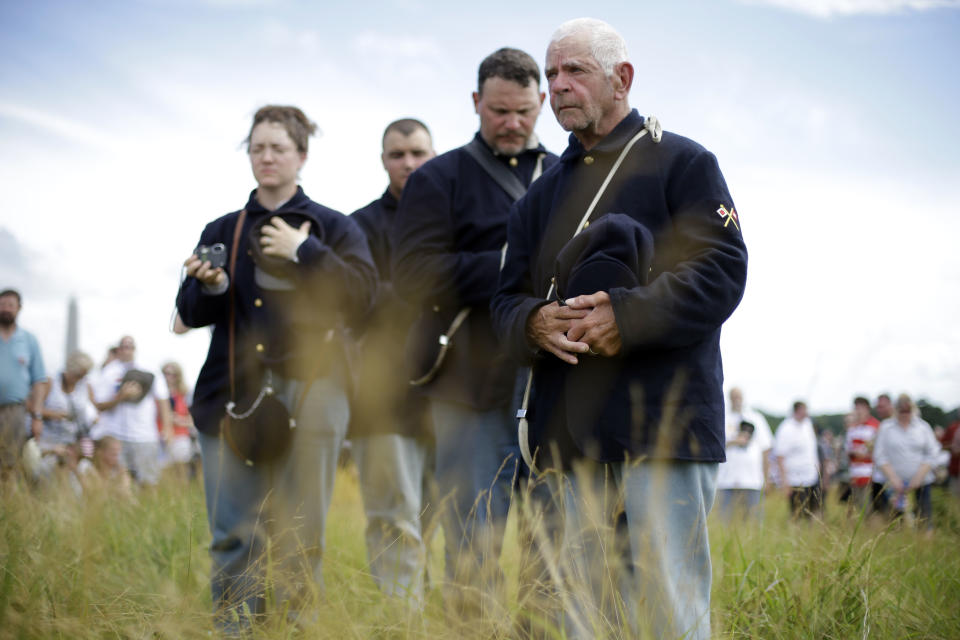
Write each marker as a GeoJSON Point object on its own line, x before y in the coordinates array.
{"type": "Point", "coordinates": [78, 363]}
{"type": "Point", "coordinates": [606, 45]}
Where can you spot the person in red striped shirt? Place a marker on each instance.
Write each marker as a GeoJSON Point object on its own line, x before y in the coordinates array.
{"type": "Point", "coordinates": [859, 446]}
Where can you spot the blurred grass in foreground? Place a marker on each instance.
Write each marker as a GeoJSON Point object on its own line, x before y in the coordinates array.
{"type": "Point", "coordinates": [108, 566]}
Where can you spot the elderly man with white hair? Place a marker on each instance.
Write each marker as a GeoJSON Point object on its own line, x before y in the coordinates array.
{"type": "Point", "coordinates": [623, 262]}
{"type": "Point", "coordinates": [905, 452]}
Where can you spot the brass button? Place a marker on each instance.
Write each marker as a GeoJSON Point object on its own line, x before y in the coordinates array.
{"type": "Point", "coordinates": [260, 348]}
{"type": "Point", "coordinates": [258, 302]}
{"type": "Point", "coordinates": [586, 224]}
{"type": "Point", "coordinates": [436, 309]}
{"type": "Point", "coordinates": [513, 161]}
{"type": "Point", "coordinates": [588, 160]}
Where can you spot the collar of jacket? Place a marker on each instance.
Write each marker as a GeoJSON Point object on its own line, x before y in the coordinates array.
{"type": "Point", "coordinates": [533, 146]}
{"type": "Point", "coordinates": [388, 201]}
{"type": "Point", "coordinates": [255, 209]}
{"type": "Point", "coordinates": [614, 141]}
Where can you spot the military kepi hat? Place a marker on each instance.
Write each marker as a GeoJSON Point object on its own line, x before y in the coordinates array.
{"type": "Point", "coordinates": [612, 251]}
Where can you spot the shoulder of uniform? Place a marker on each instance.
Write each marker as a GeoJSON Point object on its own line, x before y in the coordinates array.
{"type": "Point", "coordinates": [368, 210]}
{"type": "Point", "coordinates": [323, 213]}
{"type": "Point", "coordinates": [680, 145]}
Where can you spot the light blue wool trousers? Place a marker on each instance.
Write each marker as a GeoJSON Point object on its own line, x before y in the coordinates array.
{"type": "Point", "coordinates": [390, 468]}
{"type": "Point", "coordinates": [284, 502]}
{"type": "Point", "coordinates": [664, 591]}
{"type": "Point", "coordinates": [477, 457]}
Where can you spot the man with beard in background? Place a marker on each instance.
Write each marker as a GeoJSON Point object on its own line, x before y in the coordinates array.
{"type": "Point", "coordinates": [449, 234]}
{"type": "Point", "coordinates": [23, 383]}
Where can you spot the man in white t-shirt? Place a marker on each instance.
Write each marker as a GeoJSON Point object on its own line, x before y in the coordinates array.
{"type": "Point", "coordinates": [129, 413]}
{"type": "Point", "coordinates": [740, 480]}
{"type": "Point", "coordinates": [795, 446]}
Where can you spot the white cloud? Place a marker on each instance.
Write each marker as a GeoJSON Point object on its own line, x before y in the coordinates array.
{"type": "Point", "coordinates": [833, 8]}
{"type": "Point", "coordinates": [308, 41]}
{"type": "Point", "coordinates": [380, 44]}
{"type": "Point", "coordinates": [55, 124]}
{"type": "Point", "coordinates": [847, 289]}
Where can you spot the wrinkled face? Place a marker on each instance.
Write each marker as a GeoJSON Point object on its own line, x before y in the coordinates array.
{"type": "Point", "coordinates": [508, 113]}
{"type": "Point", "coordinates": [274, 157]}
{"type": "Point", "coordinates": [581, 94]}
{"type": "Point", "coordinates": [9, 308]}
{"type": "Point", "coordinates": [402, 155]}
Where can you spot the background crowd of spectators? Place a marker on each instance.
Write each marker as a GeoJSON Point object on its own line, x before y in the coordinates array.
{"type": "Point", "coordinates": [883, 464]}
{"type": "Point", "coordinates": [122, 423]}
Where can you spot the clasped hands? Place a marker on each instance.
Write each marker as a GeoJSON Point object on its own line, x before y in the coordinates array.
{"type": "Point", "coordinates": [278, 239]}
{"type": "Point", "coordinates": [586, 325]}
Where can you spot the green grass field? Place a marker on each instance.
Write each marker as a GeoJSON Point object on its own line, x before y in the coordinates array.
{"type": "Point", "coordinates": [105, 566]}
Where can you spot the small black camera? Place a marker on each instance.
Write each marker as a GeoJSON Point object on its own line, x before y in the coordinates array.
{"type": "Point", "coordinates": [215, 254]}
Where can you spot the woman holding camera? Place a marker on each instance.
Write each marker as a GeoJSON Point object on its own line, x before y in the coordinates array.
{"type": "Point", "coordinates": [270, 403]}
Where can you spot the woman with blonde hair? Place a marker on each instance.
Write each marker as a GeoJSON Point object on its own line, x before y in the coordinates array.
{"type": "Point", "coordinates": [180, 446]}
{"type": "Point", "coordinates": [68, 413]}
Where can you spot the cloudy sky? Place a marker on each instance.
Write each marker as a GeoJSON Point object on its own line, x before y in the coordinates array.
{"type": "Point", "coordinates": [834, 122]}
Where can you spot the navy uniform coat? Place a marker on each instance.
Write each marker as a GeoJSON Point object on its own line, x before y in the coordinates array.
{"type": "Point", "coordinates": [384, 402]}
{"type": "Point", "coordinates": [335, 273]}
{"type": "Point", "coordinates": [667, 399]}
{"type": "Point", "coordinates": [449, 231]}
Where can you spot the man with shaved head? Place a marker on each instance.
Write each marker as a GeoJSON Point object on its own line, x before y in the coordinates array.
{"type": "Point", "coordinates": [387, 421]}
{"type": "Point", "coordinates": [621, 325]}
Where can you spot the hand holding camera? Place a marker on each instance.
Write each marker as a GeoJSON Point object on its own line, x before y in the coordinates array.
{"type": "Point", "coordinates": [206, 264]}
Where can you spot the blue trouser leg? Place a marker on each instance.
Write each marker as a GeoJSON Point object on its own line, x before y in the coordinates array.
{"type": "Point", "coordinates": [286, 499]}
{"type": "Point", "coordinates": [235, 497]}
{"type": "Point", "coordinates": [476, 465]}
{"type": "Point", "coordinates": [667, 505]}
{"type": "Point", "coordinates": [664, 589]}
{"type": "Point", "coordinates": [739, 503]}
{"type": "Point", "coordinates": [390, 468]}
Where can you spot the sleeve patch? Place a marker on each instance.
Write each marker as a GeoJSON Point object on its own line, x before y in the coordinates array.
{"type": "Point", "coordinates": [729, 215]}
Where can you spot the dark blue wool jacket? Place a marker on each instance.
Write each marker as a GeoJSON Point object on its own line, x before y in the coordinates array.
{"type": "Point", "coordinates": [450, 227]}
{"type": "Point", "coordinates": [385, 403]}
{"type": "Point", "coordinates": [662, 396]}
{"type": "Point", "coordinates": [281, 330]}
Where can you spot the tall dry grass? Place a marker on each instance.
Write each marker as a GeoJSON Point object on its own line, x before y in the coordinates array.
{"type": "Point", "coordinates": [111, 566]}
